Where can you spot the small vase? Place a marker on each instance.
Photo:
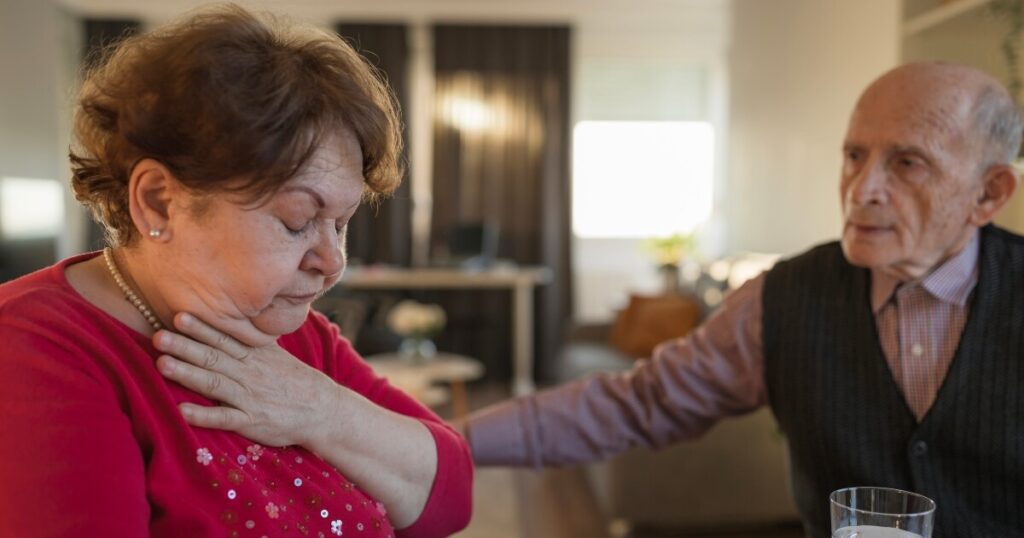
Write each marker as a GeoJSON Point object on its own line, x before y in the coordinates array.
{"type": "Point", "coordinates": [417, 350]}
{"type": "Point", "coordinates": [670, 278]}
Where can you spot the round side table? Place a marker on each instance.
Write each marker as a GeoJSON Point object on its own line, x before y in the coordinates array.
{"type": "Point", "coordinates": [417, 378]}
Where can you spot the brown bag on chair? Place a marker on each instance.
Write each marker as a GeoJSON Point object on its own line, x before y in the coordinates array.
{"type": "Point", "coordinates": [649, 320]}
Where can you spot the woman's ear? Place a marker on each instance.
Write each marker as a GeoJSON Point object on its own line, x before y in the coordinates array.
{"type": "Point", "coordinates": [151, 190]}
{"type": "Point", "coordinates": [1000, 182]}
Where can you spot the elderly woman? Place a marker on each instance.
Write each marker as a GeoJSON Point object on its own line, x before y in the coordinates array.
{"type": "Point", "coordinates": [178, 384]}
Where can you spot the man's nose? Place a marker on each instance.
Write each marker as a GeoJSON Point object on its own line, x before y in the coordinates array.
{"type": "Point", "coordinates": [868, 185]}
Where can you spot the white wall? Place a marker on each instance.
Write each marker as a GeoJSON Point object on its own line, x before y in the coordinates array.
{"type": "Point", "coordinates": [796, 69]}
{"type": "Point", "coordinates": [666, 66]}
{"type": "Point", "coordinates": [38, 48]}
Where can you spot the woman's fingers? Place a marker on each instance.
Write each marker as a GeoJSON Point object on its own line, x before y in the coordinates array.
{"type": "Point", "coordinates": [220, 418]}
{"type": "Point", "coordinates": [200, 331]}
{"type": "Point", "coordinates": [184, 348]}
{"type": "Point", "coordinates": [213, 385]}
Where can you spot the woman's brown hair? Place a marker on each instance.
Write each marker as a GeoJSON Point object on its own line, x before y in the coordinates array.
{"type": "Point", "coordinates": [223, 95]}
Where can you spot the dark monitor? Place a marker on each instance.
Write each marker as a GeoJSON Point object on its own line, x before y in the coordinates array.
{"type": "Point", "coordinates": [473, 244]}
{"type": "Point", "coordinates": [23, 256]}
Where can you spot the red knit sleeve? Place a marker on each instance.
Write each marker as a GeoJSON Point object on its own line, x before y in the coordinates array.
{"type": "Point", "coordinates": [449, 505]}
{"type": "Point", "coordinates": [70, 464]}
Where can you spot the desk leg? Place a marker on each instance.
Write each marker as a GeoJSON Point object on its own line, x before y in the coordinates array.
{"type": "Point", "coordinates": [460, 403]}
{"type": "Point", "coordinates": [522, 345]}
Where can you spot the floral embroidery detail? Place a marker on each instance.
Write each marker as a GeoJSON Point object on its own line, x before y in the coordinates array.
{"type": "Point", "coordinates": [250, 524]}
{"type": "Point", "coordinates": [255, 451]}
{"type": "Point", "coordinates": [232, 494]}
{"type": "Point", "coordinates": [336, 527]}
{"type": "Point", "coordinates": [298, 482]}
{"type": "Point", "coordinates": [380, 508]}
{"type": "Point", "coordinates": [203, 456]}
{"type": "Point", "coordinates": [348, 507]}
{"type": "Point", "coordinates": [235, 476]}
{"type": "Point", "coordinates": [359, 526]}
{"type": "Point", "coordinates": [323, 514]}
{"type": "Point", "coordinates": [272, 511]}
{"type": "Point", "coordinates": [298, 459]}
{"type": "Point", "coordinates": [241, 459]}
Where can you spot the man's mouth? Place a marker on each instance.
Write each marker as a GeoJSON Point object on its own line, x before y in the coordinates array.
{"type": "Point", "coordinates": [868, 229]}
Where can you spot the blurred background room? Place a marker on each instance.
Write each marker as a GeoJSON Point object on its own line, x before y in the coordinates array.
{"type": "Point", "coordinates": [586, 178]}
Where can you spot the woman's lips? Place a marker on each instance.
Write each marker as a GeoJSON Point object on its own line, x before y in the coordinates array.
{"type": "Point", "coordinates": [301, 299]}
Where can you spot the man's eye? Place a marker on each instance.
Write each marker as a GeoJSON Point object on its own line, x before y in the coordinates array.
{"type": "Point", "coordinates": [907, 162]}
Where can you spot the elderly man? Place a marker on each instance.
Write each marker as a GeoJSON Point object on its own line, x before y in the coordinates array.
{"type": "Point", "coordinates": [893, 357]}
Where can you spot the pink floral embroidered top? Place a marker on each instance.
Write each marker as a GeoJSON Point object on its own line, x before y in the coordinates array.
{"type": "Point", "coordinates": [93, 444]}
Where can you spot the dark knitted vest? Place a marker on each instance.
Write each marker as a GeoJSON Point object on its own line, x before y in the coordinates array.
{"type": "Point", "coordinates": [845, 418]}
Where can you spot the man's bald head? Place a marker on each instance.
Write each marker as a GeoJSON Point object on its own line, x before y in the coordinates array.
{"type": "Point", "coordinates": [959, 96]}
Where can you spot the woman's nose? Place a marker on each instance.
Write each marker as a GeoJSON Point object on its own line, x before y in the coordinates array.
{"type": "Point", "coordinates": [328, 255]}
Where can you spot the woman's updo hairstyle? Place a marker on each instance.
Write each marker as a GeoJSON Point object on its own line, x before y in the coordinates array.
{"type": "Point", "coordinates": [224, 95]}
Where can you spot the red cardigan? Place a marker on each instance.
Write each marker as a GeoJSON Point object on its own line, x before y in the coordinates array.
{"type": "Point", "coordinates": [92, 443]}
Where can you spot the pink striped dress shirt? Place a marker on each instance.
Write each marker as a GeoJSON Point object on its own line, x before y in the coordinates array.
{"type": "Point", "coordinates": [718, 371]}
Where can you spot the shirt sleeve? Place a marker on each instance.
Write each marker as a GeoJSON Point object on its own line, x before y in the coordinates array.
{"type": "Point", "coordinates": [680, 393]}
{"type": "Point", "coordinates": [449, 504]}
{"type": "Point", "coordinates": [69, 463]}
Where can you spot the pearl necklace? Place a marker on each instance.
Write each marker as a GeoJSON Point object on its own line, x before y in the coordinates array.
{"type": "Point", "coordinates": [130, 295]}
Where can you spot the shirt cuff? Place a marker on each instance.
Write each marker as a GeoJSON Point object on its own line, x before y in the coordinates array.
{"type": "Point", "coordinates": [450, 502]}
{"type": "Point", "coordinates": [503, 434]}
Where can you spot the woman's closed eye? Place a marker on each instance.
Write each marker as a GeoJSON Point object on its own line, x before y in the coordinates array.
{"type": "Point", "coordinates": [339, 227]}
{"type": "Point", "coordinates": [297, 229]}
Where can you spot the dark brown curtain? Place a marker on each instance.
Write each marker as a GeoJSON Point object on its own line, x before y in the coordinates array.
{"type": "Point", "coordinates": [99, 34]}
{"type": "Point", "coordinates": [383, 233]}
{"type": "Point", "coordinates": [501, 155]}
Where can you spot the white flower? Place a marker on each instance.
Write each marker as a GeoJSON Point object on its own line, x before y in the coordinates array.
{"type": "Point", "coordinates": [203, 456]}
{"type": "Point", "coordinates": [410, 318]}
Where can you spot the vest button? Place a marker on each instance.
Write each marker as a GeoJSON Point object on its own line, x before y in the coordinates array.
{"type": "Point", "coordinates": [920, 449]}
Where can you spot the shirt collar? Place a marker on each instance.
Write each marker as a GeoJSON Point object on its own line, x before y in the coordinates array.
{"type": "Point", "coordinates": [951, 282]}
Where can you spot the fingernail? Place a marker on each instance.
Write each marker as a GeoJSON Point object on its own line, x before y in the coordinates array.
{"type": "Point", "coordinates": [166, 366]}
{"type": "Point", "coordinates": [164, 339]}
{"type": "Point", "coordinates": [186, 319]}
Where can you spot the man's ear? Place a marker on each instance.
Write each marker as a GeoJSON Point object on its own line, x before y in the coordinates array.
{"type": "Point", "coordinates": [999, 184]}
{"type": "Point", "coordinates": [151, 189]}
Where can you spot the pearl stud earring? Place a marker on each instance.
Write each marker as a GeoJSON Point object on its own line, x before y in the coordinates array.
{"type": "Point", "coordinates": [155, 233]}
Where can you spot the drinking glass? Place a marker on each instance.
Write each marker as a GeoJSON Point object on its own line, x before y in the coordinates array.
{"type": "Point", "coordinates": [869, 512]}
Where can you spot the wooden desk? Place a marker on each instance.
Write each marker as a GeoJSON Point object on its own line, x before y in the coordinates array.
{"type": "Point", "coordinates": [519, 280]}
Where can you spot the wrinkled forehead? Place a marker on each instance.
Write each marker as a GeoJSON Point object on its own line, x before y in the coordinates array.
{"type": "Point", "coordinates": [912, 111]}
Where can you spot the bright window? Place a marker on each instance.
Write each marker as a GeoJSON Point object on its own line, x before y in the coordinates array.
{"type": "Point", "coordinates": [641, 179]}
{"type": "Point", "coordinates": [30, 208]}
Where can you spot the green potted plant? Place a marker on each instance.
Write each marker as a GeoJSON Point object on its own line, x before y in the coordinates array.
{"type": "Point", "coordinates": [669, 252]}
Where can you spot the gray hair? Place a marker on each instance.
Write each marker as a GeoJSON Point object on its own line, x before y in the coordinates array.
{"type": "Point", "coordinates": [998, 120]}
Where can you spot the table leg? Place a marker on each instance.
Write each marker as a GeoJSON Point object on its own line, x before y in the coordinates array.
{"type": "Point", "coordinates": [460, 403]}
{"type": "Point", "coordinates": [522, 343]}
